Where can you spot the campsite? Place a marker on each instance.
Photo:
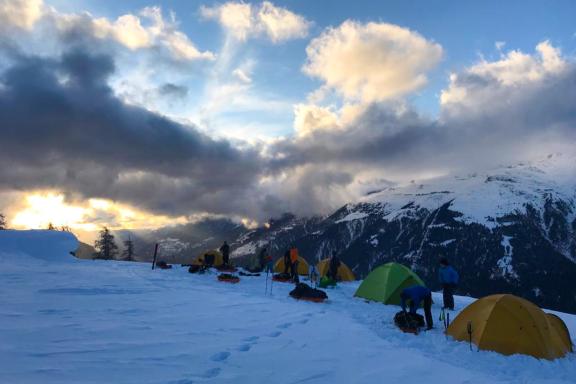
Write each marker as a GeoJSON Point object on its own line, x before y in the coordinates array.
{"type": "Point", "coordinates": [67, 320]}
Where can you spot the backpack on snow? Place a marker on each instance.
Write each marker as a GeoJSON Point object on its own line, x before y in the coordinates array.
{"type": "Point", "coordinates": [409, 322]}
{"type": "Point", "coordinates": [305, 292]}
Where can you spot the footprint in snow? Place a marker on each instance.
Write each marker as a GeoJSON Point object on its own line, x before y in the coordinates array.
{"type": "Point", "coordinates": [284, 326]}
{"type": "Point", "coordinates": [275, 334]}
{"type": "Point", "coordinates": [213, 372]}
{"type": "Point", "coordinates": [304, 321]}
{"type": "Point", "coordinates": [244, 347]}
{"type": "Point", "coordinates": [251, 338]}
{"type": "Point", "coordinates": [220, 356]}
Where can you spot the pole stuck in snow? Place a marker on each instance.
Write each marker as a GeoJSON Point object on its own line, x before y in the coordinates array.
{"type": "Point", "coordinates": [155, 255]}
{"type": "Point", "coordinates": [469, 329]}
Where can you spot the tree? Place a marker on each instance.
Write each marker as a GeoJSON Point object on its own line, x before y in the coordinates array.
{"type": "Point", "coordinates": [2, 222]}
{"type": "Point", "coordinates": [51, 227]}
{"type": "Point", "coordinates": [128, 253]}
{"type": "Point", "coordinates": [105, 246]}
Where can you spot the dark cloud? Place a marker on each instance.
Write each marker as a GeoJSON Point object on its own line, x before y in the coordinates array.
{"type": "Point", "coordinates": [173, 90]}
{"type": "Point", "coordinates": [63, 127]}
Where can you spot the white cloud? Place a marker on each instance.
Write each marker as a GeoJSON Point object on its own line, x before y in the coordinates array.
{"type": "Point", "coordinates": [147, 30]}
{"type": "Point", "coordinates": [371, 62]}
{"type": "Point", "coordinates": [242, 76]}
{"type": "Point", "coordinates": [244, 21]}
{"type": "Point", "coordinates": [482, 81]}
{"type": "Point", "coordinates": [20, 13]}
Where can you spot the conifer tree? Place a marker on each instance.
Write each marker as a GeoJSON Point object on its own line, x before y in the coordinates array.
{"type": "Point", "coordinates": [128, 253]}
{"type": "Point", "coordinates": [105, 246]}
{"type": "Point", "coordinates": [2, 222]}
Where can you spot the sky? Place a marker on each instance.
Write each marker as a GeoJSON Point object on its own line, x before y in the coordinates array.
{"type": "Point", "coordinates": [138, 114]}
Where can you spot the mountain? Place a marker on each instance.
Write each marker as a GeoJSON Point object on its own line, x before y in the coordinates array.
{"type": "Point", "coordinates": [510, 229]}
{"type": "Point", "coordinates": [182, 243]}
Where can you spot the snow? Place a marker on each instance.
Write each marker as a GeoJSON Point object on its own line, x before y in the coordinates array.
{"type": "Point", "coordinates": [352, 216]}
{"type": "Point", "coordinates": [505, 263]}
{"type": "Point", "coordinates": [484, 196]}
{"type": "Point", "coordinates": [64, 320]}
{"type": "Point", "coordinates": [248, 248]}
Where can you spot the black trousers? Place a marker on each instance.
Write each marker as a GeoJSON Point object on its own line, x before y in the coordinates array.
{"type": "Point", "coordinates": [294, 271]}
{"type": "Point", "coordinates": [448, 295]}
{"type": "Point", "coordinates": [428, 311]}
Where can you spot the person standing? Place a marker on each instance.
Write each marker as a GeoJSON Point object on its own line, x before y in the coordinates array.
{"type": "Point", "coordinates": [287, 262]}
{"type": "Point", "coordinates": [333, 267]}
{"type": "Point", "coordinates": [262, 259]}
{"type": "Point", "coordinates": [449, 280]}
{"type": "Point", "coordinates": [294, 264]}
{"type": "Point", "coordinates": [225, 250]}
{"type": "Point", "coordinates": [415, 295]}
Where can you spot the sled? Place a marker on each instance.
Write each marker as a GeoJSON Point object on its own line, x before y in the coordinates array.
{"type": "Point", "coordinates": [226, 269]}
{"type": "Point", "coordinates": [282, 278]}
{"type": "Point", "coordinates": [311, 299]}
{"type": "Point", "coordinates": [228, 278]}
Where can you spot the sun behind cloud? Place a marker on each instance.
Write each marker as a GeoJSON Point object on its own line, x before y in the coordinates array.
{"type": "Point", "coordinates": [43, 208]}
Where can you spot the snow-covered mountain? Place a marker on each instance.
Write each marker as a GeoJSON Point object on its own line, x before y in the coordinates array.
{"type": "Point", "coordinates": [509, 229]}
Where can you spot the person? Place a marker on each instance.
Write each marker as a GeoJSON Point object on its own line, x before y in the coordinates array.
{"type": "Point", "coordinates": [225, 250]}
{"type": "Point", "coordinates": [262, 259]}
{"type": "Point", "coordinates": [416, 294]}
{"type": "Point", "coordinates": [294, 264]}
{"type": "Point", "coordinates": [269, 267]}
{"type": "Point", "coordinates": [449, 280]}
{"type": "Point", "coordinates": [314, 275]}
{"type": "Point", "coordinates": [287, 263]}
{"type": "Point", "coordinates": [333, 267]}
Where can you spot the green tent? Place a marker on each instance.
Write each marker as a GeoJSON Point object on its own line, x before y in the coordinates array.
{"type": "Point", "coordinates": [386, 282]}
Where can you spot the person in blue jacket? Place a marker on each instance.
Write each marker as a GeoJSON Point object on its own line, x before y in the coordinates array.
{"type": "Point", "coordinates": [449, 280]}
{"type": "Point", "coordinates": [417, 294]}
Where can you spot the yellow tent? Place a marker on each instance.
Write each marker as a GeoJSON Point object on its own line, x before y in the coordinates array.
{"type": "Point", "coordinates": [218, 258]}
{"type": "Point", "coordinates": [509, 324]}
{"type": "Point", "coordinates": [344, 273]}
{"type": "Point", "coordinates": [302, 266]}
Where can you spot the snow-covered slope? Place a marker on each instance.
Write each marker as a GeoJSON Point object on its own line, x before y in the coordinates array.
{"type": "Point", "coordinates": [485, 196]}
{"type": "Point", "coordinates": [510, 229]}
{"type": "Point", "coordinates": [82, 321]}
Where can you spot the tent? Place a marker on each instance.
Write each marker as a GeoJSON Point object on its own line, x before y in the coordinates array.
{"type": "Point", "coordinates": [344, 273]}
{"type": "Point", "coordinates": [302, 266]}
{"type": "Point", "coordinates": [218, 258]}
{"type": "Point", "coordinates": [386, 282]}
{"type": "Point", "coordinates": [509, 324]}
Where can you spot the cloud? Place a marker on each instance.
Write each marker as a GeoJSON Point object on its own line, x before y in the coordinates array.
{"type": "Point", "coordinates": [173, 90]}
{"type": "Point", "coordinates": [148, 30]}
{"type": "Point", "coordinates": [512, 110]}
{"type": "Point", "coordinates": [63, 128]}
{"type": "Point", "coordinates": [512, 70]}
{"type": "Point", "coordinates": [20, 13]}
{"type": "Point", "coordinates": [371, 62]}
{"type": "Point", "coordinates": [243, 21]}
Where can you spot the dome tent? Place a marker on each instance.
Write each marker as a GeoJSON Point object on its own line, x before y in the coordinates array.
{"type": "Point", "coordinates": [508, 324]}
{"type": "Point", "coordinates": [386, 282]}
{"type": "Point", "coordinates": [218, 258]}
{"type": "Point", "coordinates": [302, 266]}
{"type": "Point", "coordinates": [344, 273]}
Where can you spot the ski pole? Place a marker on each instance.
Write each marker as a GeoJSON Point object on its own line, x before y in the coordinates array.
{"type": "Point", "coordinates": [469, 329]}
{"type": "Point", "coordinates": [271, 281]}
{"type": "Point", "coordinates": [266, 289]}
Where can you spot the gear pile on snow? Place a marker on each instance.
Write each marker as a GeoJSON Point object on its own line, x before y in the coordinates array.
{"type": "Point", "coordinates": [282, 277]}
{"type": "Point", "coordinates": [163, 265]}
{"type": "Point", "coordinates": [409, 322]}
{"type": "Point", "coordinates": [228, 278]}
{"type": "Point", "coordinates": [306, 292]}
